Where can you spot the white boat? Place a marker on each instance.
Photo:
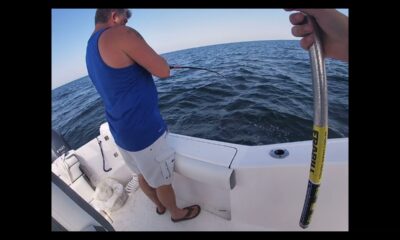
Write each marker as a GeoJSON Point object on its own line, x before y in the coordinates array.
{"type": "Point", "coordinates": [240, 188]}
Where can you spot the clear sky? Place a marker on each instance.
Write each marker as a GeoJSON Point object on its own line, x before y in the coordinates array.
{"type": "Point", "coordinates": [165, 30]}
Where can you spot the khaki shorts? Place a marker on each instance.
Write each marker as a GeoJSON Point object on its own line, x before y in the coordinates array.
{"type": "Point", "coordinates": [155, 163]}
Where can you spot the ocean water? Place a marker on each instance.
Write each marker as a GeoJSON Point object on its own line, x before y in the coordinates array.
{"type": "Point", "coordinates": [266, 96]}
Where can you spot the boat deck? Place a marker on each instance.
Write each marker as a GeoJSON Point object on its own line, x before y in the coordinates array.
{"type": "Point", "coordinates": [139, 214]}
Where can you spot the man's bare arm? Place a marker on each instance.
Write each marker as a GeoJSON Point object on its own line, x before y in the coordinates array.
{"type": "Point", "coordinates": [131, 30]}
{"type": "Point", "coordinates": [135, 47]}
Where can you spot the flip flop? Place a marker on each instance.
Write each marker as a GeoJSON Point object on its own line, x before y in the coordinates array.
{"type": "Point", "coordinates": [160, 213]}
{"type": "Point", "coordinates": [187, 216]}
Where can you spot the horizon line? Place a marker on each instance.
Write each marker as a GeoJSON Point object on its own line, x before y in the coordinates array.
{"type": "Point", "coordinates": [192, 48]}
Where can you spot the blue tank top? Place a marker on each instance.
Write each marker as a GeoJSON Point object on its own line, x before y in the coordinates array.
{"type": "Point", "coordinates": [130, 98]}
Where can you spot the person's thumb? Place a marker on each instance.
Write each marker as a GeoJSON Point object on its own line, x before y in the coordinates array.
{"type": "Point", "coordinates": [315, 12]}
{"type": "Point", "coordinates": [309, 11]}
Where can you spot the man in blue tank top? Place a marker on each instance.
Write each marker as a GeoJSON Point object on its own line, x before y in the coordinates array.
{"type": "Point", "coordinates": [121, 64]}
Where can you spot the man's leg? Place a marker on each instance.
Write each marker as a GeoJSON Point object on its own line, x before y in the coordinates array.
{"type": "Point", "coordinates": [150, 193]}
{"type": "Point", "coordinates": [166, 195]}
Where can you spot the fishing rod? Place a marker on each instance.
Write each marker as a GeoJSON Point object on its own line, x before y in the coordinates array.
{"type": "Point", "coordinates": [320, 126]}
{"type": "Point", "coordinates": [196, 68]}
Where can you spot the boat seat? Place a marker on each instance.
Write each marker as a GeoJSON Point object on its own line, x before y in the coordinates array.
{"type": "Point", "coordinates": [67, 167]}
